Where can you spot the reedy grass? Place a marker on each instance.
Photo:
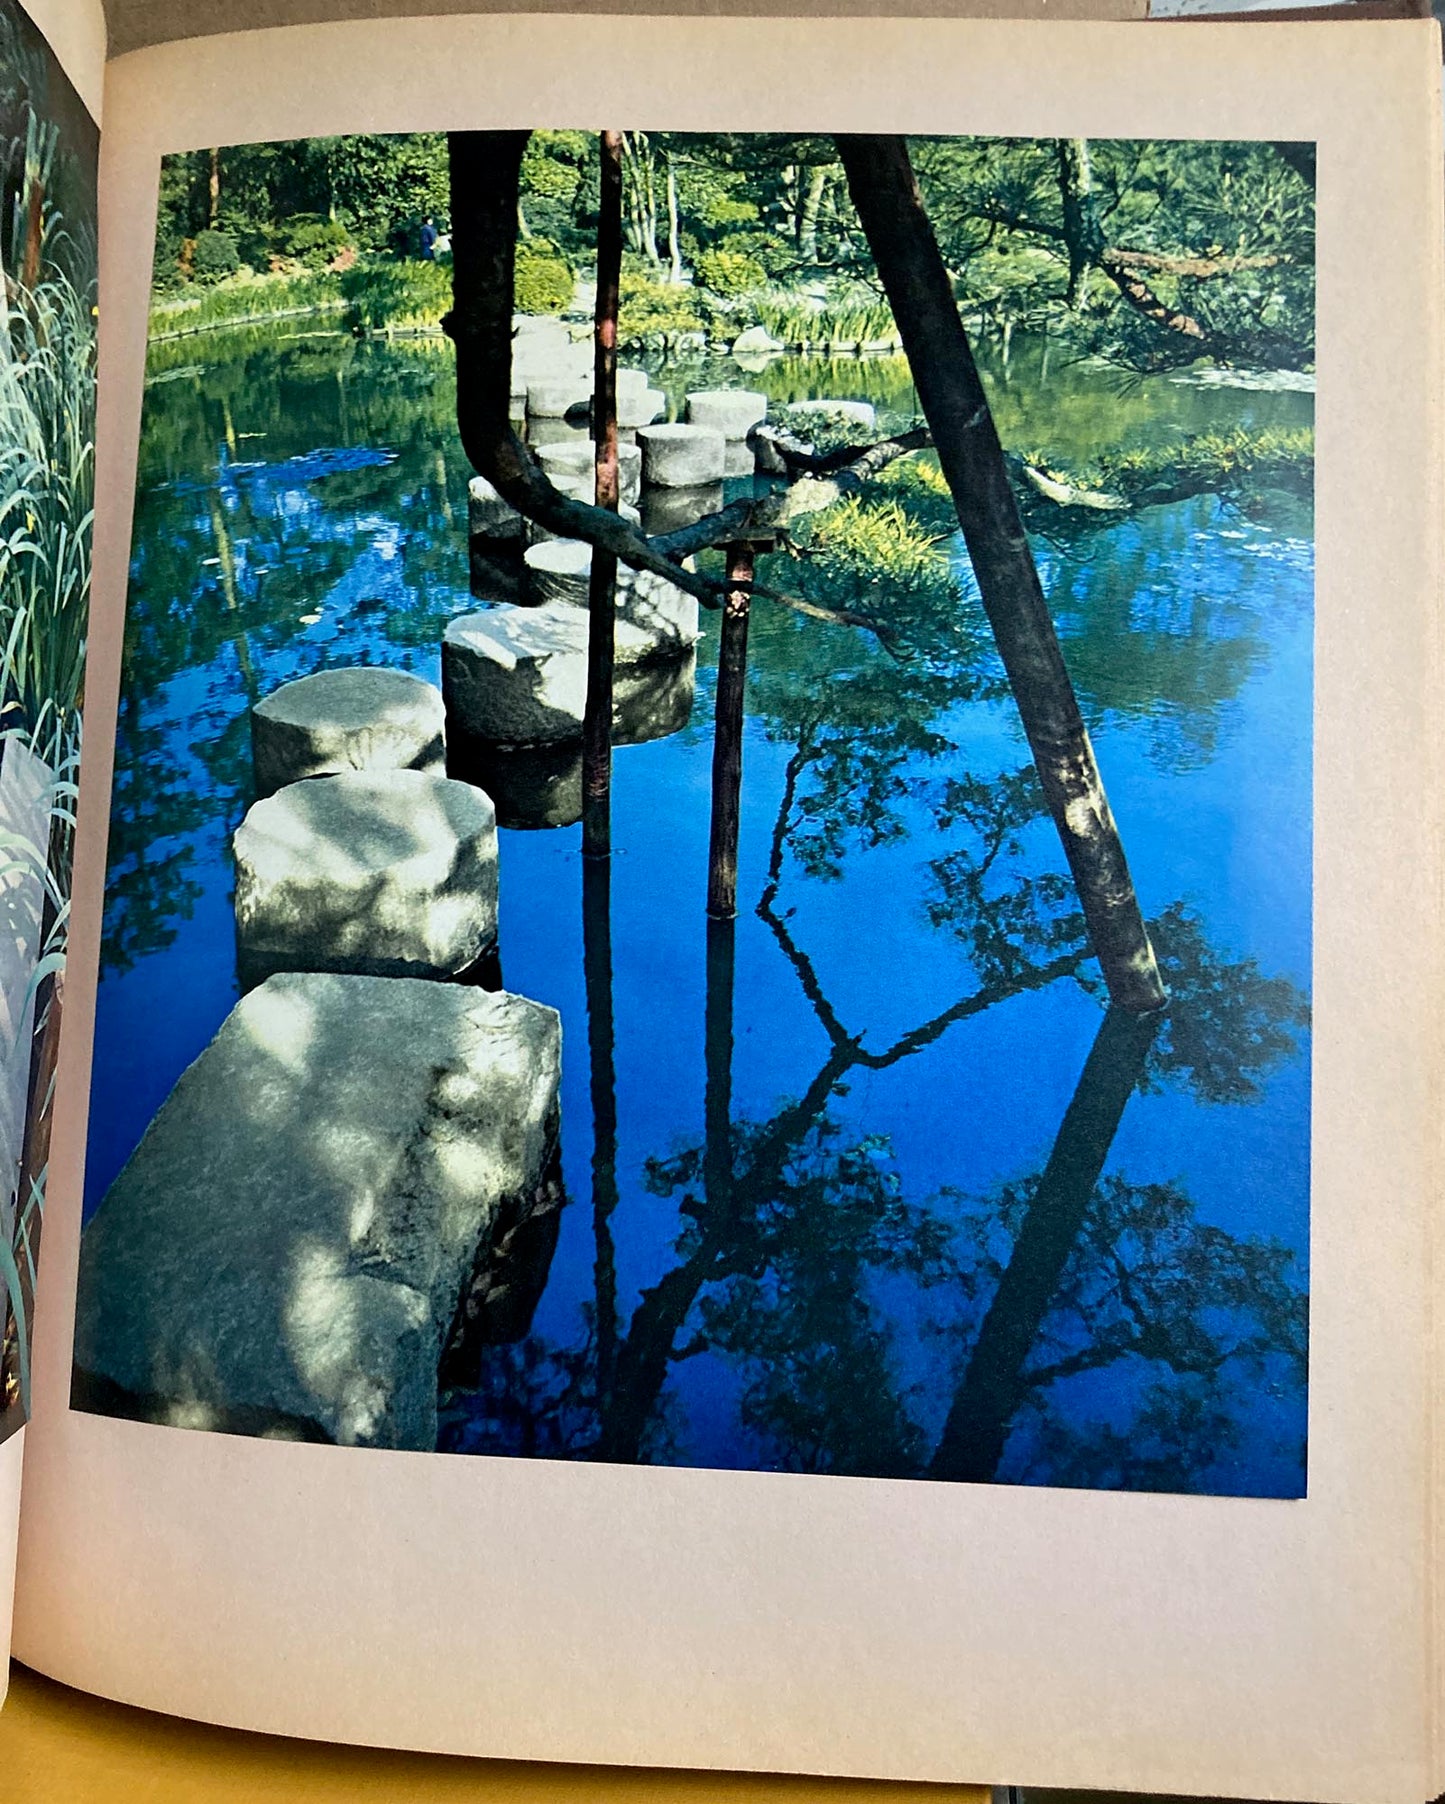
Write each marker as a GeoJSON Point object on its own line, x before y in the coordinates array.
{"type": "Point", "coordinates": [47, 495]}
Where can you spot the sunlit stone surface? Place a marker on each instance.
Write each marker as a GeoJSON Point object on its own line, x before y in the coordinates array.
{"type": "Point", "coordinates": [640, 408]}
{"type": "Point", "coordinates": [361, 717]}
{"type": "Point", "coordinates": [540, 786]}
{"type": "Point", "coordinates": [579, 488]}
{"type": "Point", "coordinates": [549, 397]}
{"type": "Point", "coordinates": [392, 873]}
{"type": "Point", "coordinates": [286, 1249]}
{"type": "Point", "coordinates": [488, 516]}
{"type": "Point", "coordinates": [681, 457]}
{"type": "Point", "coordinates": [579, 460]}
{"type": "Point", "coordinates": [560, 570]}
{"type": "Point", "coordinates": [731, 411]}
{"type": "Point", "coordinates": [518, 676]}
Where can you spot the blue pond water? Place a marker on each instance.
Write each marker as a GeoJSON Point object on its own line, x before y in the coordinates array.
{"type": "Point", "coordinates": [831, 1177]}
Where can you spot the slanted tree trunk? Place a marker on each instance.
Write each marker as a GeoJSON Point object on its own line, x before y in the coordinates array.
{"type": "Point", "coordinates": [905, 252]}
{"type": "Point", "coordinates": [213, 189]}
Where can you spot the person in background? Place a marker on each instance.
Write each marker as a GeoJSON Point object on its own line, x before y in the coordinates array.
{"type": "Point", "coordinates": [429, 237]}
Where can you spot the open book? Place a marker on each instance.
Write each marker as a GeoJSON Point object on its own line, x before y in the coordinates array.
{"type": "Point", "coordinates": [750, 1047]}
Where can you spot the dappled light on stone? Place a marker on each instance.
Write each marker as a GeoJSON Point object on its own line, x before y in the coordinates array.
{"type": "Point", "coordinates": [388, 873]}
{"type": "Point", "coordinates": [245, 1267]}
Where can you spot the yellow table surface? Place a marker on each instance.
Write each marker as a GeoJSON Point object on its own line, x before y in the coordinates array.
{"type": "Point", "coordinates": [59, 1746]}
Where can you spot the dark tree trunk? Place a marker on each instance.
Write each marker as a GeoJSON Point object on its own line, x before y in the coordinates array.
{"type": "Point", "coordinates": [602, 583]}
{"type": "Point", "coordinates": [994, 1384]}
{"type": "Point", "coordinates": [727, 745]}
{"type": "Point", "coordinates": [885, 193]}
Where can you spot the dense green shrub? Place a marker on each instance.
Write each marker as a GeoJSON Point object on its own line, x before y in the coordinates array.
{"type": "Point", "coordinates": [314, 242]}
{"type": "Point", "coordinates": [729, 273]}
{"type": "Point", "coordinates": [544, 278]}
{"type": "Point", "coordinates": [214, 256]}
{"type": "Point", "coordinates": [651, 310]}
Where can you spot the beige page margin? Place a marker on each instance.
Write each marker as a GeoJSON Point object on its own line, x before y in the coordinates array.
{"type": "Point", "coordinates": [75, 31]}
{"type": "Point", "coordinates": [790, 1623]}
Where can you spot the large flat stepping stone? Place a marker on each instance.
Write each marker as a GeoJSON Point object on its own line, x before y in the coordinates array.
{"type": "Point", "coordinates": [387, 873]}
{"type": "Point", "coordinates": [731, 411]}
{"type": "Point", "coordinates": [287, 1248]}
{"type": "Point", "coordinates": [360, 717]}
{"type": "Point", "coordinates": [564, 461]}
{"type": "Point", "coordinates": [682, 457]}
{"type": "Point", "coordinates": [517, 676]}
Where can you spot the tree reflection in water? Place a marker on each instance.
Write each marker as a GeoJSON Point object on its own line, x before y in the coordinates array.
{"type": "Point", "coordinates": [1097, 1332]}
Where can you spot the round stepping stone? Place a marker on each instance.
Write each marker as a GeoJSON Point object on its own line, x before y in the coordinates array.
{"type": "Point", "coordinates": [741, 460]}
{"type": "Point", "coordinates": [488, 516]}
{"type": "Point", "coordinates": [682, 457]}
{"type": "Point", "coordinates": [731, 411]}
{"type": "Point", "coordinates": [378, 873]}
{"type": "Point", "coordinates": [518, 676]}
{"type": "Point", "coordinates": [632, 385]}
{"type": "Point", "coordinates": [580, 460]}
{"type": "Point", "coordinates": [639, 408]}
{"type": "Point", "coordinates": [355, 718]}
{"type": "Point", "coordinates": [554, 432]}
{"type": "Point", "coordinates": [560, 570]}
{"type": "Point", "coordinates": [856, 413]}
{"type": "Point", "coordinates": [551, 396]}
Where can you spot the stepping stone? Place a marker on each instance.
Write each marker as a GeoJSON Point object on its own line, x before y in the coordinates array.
{"type": "Point", "coordinates": [640, 408]}
{"type": "Point", "coordinates": [554, 432]}
{"type": "Point", "coordinates": [560, 570]}
{"type": "Point", "coordinates": [668, 510]}
{"type": "Point", "coordinates": [287, 1248]}
{"type": "Point", "coordinates": [549, 397]}
{"type": "Point", "coordinates": [741, 459]}
{"type": "Point", "coordinates": [681, 457]}
{"type": "Point", "coordinates": [731, 411]}
{"type": "Point", "coordinates": [536, 788]}
{"type": "Point", "coordinates": [632, 385]}
{"type": "Point", "coordinates": [387, 873]}
{"type": "Point", "coordinates": [857, 413]}
{"type": "Point", "coordinates": [359, 717]}
{"type": "Point", "coordinates": [518, 676]}
{"type": "Point", "coordinates": [580, 460]}
{"type": "Point", "coordinates": [488, 516]}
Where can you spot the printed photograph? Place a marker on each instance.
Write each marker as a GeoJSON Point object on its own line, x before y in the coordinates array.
{"type": "Point", "coordinates": [710, 852]}
{"type": "Point", "coordinates": [49, 148]}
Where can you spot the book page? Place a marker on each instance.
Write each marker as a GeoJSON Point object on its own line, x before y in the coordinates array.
{"type": "Point", "coordinates": [51, 62]}
{"type": "Point", "coordinates": [965, 1287]}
